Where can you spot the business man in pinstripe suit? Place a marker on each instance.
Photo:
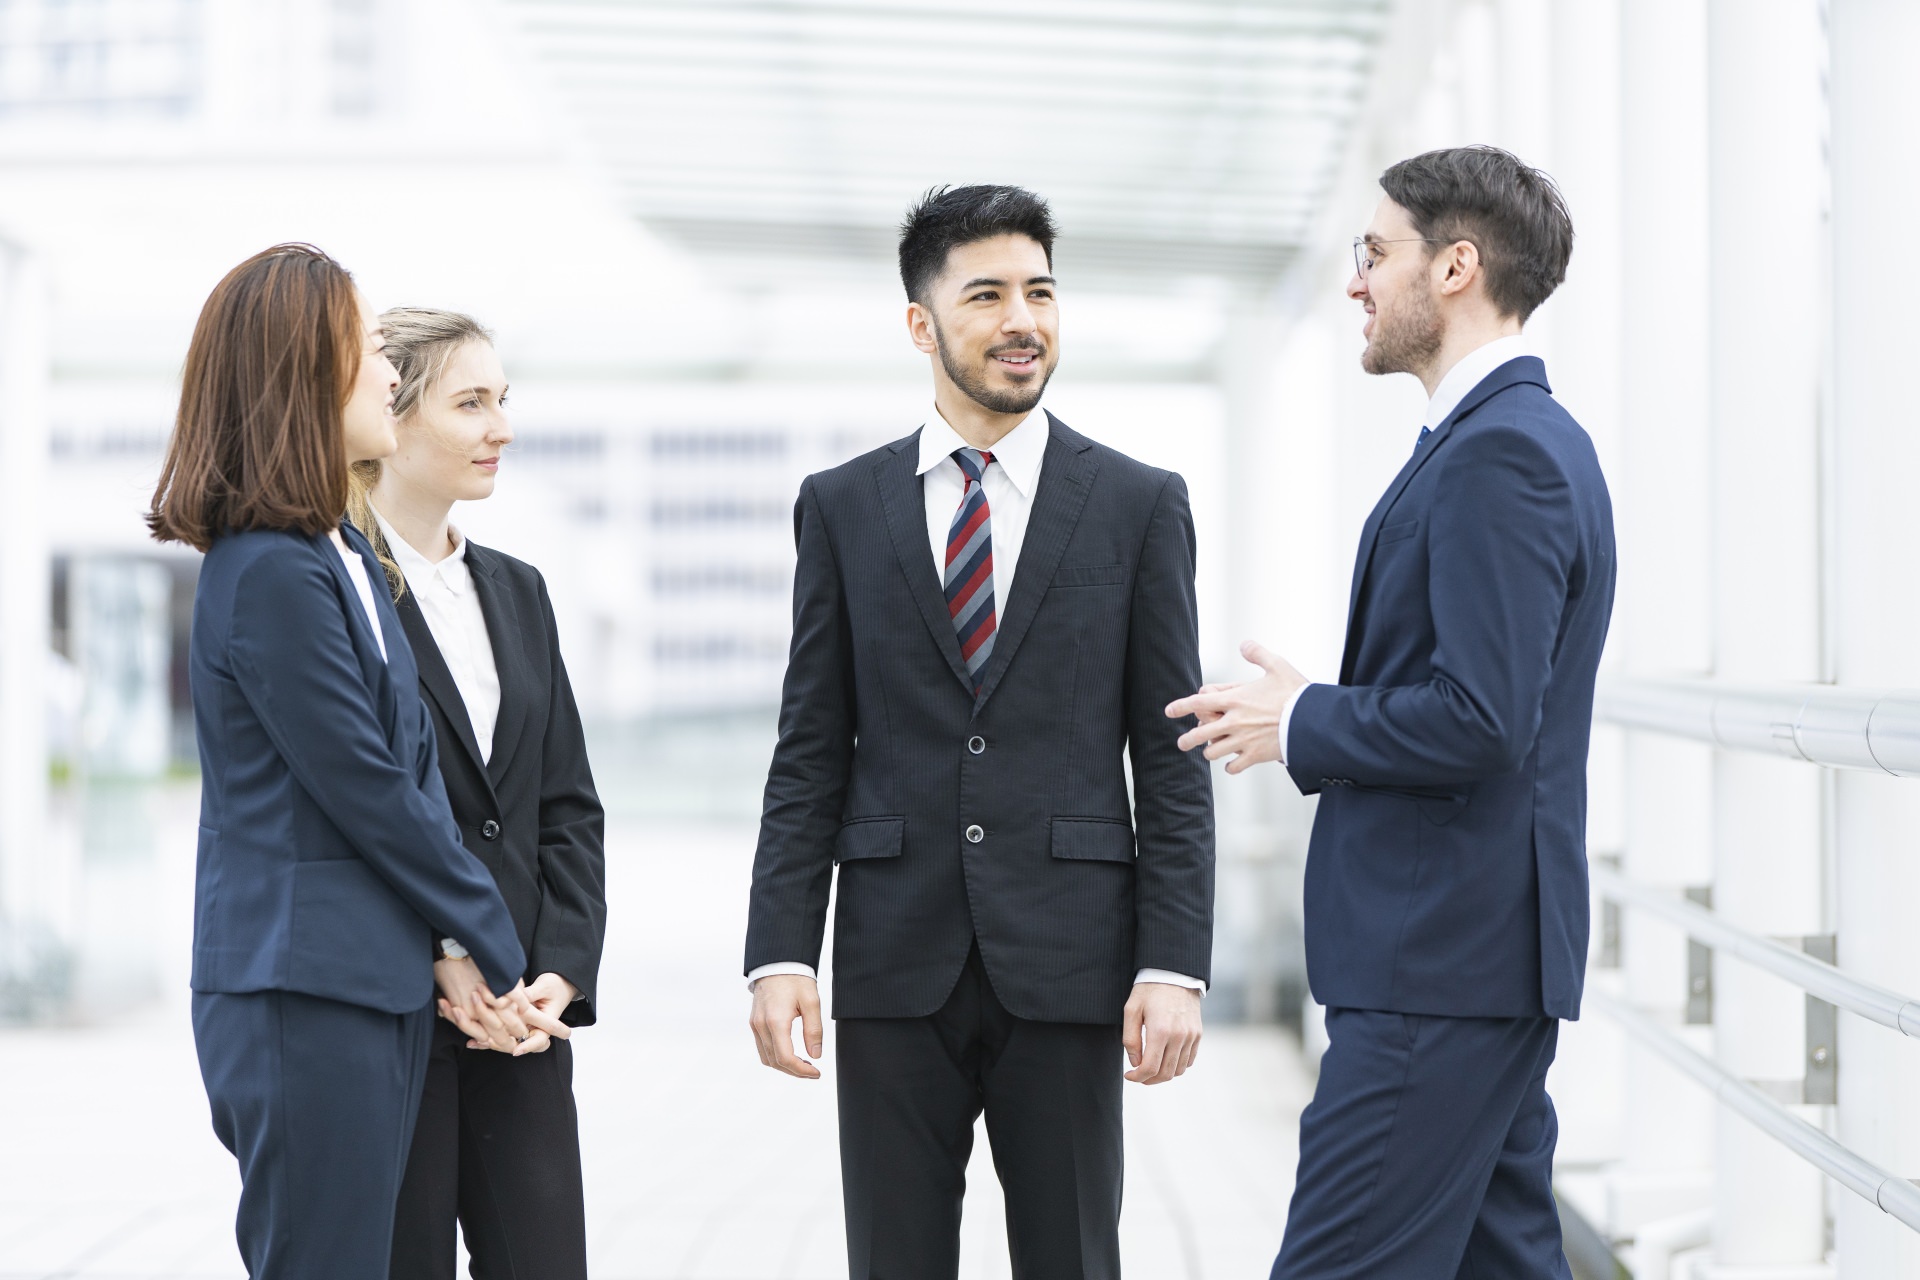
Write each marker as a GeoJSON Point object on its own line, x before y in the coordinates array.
{"type": "Point", "coordinates": [989, 617]}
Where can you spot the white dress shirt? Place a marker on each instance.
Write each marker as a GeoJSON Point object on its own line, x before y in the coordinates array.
{"type": "Point", "coordinates": [445, 594]}
{"type": "Point", "coordinates": [1010, 482]}
{"type": "Point", "coordinates": [1469, 372]}
{"type": "Point", "coordinates": [363, 587]}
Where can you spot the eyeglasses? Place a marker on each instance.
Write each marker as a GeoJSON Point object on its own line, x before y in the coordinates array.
{"type": "Point", "coordinates": [1363, 259]}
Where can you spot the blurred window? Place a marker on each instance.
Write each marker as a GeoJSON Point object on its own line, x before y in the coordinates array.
{"type": "Point", "coordinates": [99, 57]}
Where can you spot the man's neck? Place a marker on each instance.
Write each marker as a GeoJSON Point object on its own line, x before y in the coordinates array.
{"type": "Point", "coordinates": [1462, 340]}
{"type": "Point", "coordinates": [972, 421]}
{"type": "Point", "coordinates": [420, 519]}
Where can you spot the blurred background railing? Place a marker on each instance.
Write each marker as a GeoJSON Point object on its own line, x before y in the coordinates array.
{"type": "Point", "coordinates": [678, 216]}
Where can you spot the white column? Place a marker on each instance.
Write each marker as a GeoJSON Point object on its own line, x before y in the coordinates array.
{"type": "Point", "coordinates": [30, 915]}
{"type": "Point", "coordinates": [1581, 77]}
{"type": "Point", "coordinates": [1663, 622]}
{"type": "Point", "coordinates": [1875, 133]}
{"type": "Point", "coordinates": [1766, 200]}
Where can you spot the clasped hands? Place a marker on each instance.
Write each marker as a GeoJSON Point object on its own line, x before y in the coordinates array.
{"type": "Point", "coordinates": [524, 1020]}
{"type": "Point", "coordinates": [1241, 721]}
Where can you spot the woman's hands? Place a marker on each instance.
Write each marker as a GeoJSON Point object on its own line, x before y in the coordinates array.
{"type": "Point", "coordinates": [513, 1023]}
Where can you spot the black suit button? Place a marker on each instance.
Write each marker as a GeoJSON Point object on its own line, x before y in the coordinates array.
{"type": "Point", "coordinates": [976, 744]}
{"type": "Point", "coordinates": [489, 830]}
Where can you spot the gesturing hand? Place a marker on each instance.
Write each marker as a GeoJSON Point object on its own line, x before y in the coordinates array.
{"type": "Point", "coordinates": [1241, 720]}
{"type": "Point", "coordinates": [1162, 1035]}
{"type": "Point", "coordinates": [778, 999]}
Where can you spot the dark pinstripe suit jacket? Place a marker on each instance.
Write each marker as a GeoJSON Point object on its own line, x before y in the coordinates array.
{"type": "Point", "coordinates": [885, 758]}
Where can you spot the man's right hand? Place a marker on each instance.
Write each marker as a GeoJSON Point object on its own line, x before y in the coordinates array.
{"type": "Point", "coordinates": [777, 1000]}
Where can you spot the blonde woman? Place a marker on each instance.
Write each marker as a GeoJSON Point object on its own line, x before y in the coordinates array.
{"type": "Point", "coordinates": [497, 1143]}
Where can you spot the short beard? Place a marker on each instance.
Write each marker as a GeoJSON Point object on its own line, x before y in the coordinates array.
{"type": "Point", "coordinates": [1410, 341]}
{"type": "Point", "coordinates": [1017, 400]}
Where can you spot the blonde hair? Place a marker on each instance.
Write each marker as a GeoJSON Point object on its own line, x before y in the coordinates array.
{"type": "Point", "coordinates": [421, 342]}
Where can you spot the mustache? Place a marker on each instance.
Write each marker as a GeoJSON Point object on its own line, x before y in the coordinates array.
{"type": "Point", "coordinates": [1025, 346]}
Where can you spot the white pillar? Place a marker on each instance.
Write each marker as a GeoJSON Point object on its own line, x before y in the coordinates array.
{"type": "Point", "coordinates": [30, 916]}
{"type": "Point", "coordinates": [1766, 198]}
{"type": "Point", "coordinates": [1581, 77]}
{"type": "Point", "coordinates": [1663, 622]}
{"type": "Point", "coordinates": [1875, 133]}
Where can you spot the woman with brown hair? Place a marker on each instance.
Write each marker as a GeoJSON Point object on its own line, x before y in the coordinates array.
{"type": "Point", "coordinates": [497, 1143]}
{"type": "Point", "coordinates": [329, 863]}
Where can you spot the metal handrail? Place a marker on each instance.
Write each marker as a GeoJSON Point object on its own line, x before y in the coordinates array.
{"type": "Point", "coordinates": [1877, 730]}
{"type": "Point", "coordinates": [1876, 1003]}
{"type": "Point", "coordinates": [1893, 1194]}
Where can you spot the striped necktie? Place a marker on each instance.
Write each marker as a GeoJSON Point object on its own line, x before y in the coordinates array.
{"type": "Point", "coordinates": [969, 575]}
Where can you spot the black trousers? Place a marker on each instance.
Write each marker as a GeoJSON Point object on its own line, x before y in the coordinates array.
{"type": "Point", "coordinates": [910, 1090]}
{"type": "Point", "coordinates": [316, 1100]}
{"type": "Point", "coordinates": [497, 1147]}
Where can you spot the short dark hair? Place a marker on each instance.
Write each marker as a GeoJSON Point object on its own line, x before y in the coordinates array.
{"type": "Point", "coordinates": [948, 217]}
{"type": "Point", "coordinates": [1512, 213]}
{"type": "Point", "coordinates": [259, 441]}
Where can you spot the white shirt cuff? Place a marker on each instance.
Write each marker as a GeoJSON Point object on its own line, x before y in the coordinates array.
{"type": "Point", "coordinates": [1171, 978]}
{"type": "Point", "coordinates": [1286, 717]}
{"type": "Point", "coordinates": [784, 966]}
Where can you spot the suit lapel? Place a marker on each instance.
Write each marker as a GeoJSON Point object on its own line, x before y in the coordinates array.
{"type": "Point", "coordinates": [504, 632]}
{"type": "Point", "coordinates": [1520, 369]}
{"type": "Point", "coordinates": [366, 647]}
{"type": "Point", "coordinates": [903, 501]}
{"type": "Point", "coordinates": [1066, 476]}
{"type": "Point", "coordinates": [435, 677]}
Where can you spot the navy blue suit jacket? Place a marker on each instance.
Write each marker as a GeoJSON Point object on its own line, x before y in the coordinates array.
{"type": "Point", "coordinates": [886, 758]}
{"type": "Point", "coordinates": [329, 860]}
{"type": "Point", "coordinates": [1447, 873]}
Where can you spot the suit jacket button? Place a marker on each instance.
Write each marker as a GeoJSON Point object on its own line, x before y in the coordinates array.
{"type": "Point", "coordinates": [489, 830]}
{"type": "Point", "coordinates": [975, 835]}
{"type": "Point", "coordinates": [976, 744]}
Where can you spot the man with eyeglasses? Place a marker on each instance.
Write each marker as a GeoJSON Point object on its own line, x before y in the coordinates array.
{"type": "Point", "coordinates": [1446, 894]}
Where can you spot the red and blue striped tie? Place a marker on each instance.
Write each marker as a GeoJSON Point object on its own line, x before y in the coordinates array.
{"type": "Point", "coordinates": [969, 574]}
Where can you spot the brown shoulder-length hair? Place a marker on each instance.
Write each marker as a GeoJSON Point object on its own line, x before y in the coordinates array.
{"type": "Point", "coordinates": [259, 442]}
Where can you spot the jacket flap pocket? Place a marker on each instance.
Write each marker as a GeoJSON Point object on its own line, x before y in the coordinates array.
{"type": "Point", "coordinates": [870, 838]}
{"type": "Point", "coordinates": [1089, 575]}
{"type": "Point", "coordinates": [1398, 532]}
{"type": "Point", "coordinates": [1092, 840]}
{"type": "Point", "coordinates": [352, 938]}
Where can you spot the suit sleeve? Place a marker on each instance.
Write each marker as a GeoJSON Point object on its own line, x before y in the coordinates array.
{"type": "Point", "coordinates": [807, 782]}
{"type": "Point", "coordinates": [294, 663]}
{"type": "Point", "coordinates": [1172, 789]}
{"type": "Point", "coordinates": [1501, 549]}
{"type": "Point", "coordinates": [572, 926]}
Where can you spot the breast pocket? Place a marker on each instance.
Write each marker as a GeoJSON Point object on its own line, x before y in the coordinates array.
{"type": "Point", "coordinates": [1090, 575]}
{"type": "Point", "coordinates": [1397, 532]}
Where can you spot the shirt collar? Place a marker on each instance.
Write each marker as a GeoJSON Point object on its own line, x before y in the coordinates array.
{"type": "Point", "coordinates": [1470, 372]}
{"type": "Point", "coordinates": [1019, 452]}
{"type": "Point", "coordinates": [415, 567]}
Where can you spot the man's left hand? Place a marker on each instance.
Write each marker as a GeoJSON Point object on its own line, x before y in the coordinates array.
{"type": "Point", "coordinates": [1241, 721]}
{"type": "Point", "coordinates": [1162, 1036]}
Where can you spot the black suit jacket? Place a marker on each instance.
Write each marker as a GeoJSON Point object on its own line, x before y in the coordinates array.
{"type": "Point", "coordinates": [886, 759]}
{"type": "Point", "coordinates": [530, 813]}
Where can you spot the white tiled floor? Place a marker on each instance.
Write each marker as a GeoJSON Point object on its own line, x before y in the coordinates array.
{"type": "Point", "coordinates": [700, 1164]}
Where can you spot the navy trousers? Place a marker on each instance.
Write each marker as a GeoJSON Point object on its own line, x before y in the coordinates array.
{"type": "Point", "coordinates": [1427, 1153]}
{"type": "Point", "coordinates": [316, 1099]}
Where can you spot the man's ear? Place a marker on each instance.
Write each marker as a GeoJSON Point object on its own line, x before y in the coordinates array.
{"type": "Point", "coordinates": [1462, 259]}
{"type": "Point", "coordinates": [920, 329]}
